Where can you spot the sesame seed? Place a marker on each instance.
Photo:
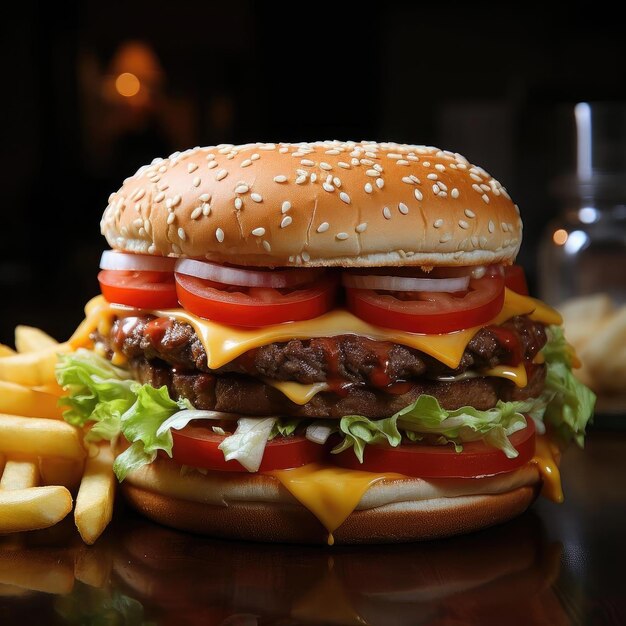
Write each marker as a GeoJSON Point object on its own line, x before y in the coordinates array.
{"type": "Point", "coordinates": [474, 241]}
{"type": "Point", "coordinates": [341, 236]}
{"type": "Point", "coordinates": [196, 213]}
{"type": "Point", "coordinates": [170, 218]}
{"type": "Point", "coordinates": [402, 162]}
{"type": "Point", "coordinates": [313, 177]}
{"type": "Point", "coordinates": [485, 198]}
{"type": "Point", "coordinates": [361, 227]}
{"type": "Point", "coordinates": [210, 157]}
{"type": "Point", "coordinates": [475, 177]}
{"type": "Point", "coordinates": [408, 180]}
{"type": "Point", "coordinates": [307, 162]}
{"type": "Point", "coordinates": [323, 227]}
{"type": "Point", "coordinates": [246, 163]}
{"type": "Point", "coordinates": [380, 183]}
{"type": "Point", "coordinates": [147, 224]}
{"type": "Point", "coordinates": [469, 213]}
{"type": "Point", "coordinates": [386, 213]}
{"type": "Point", "coordinates": [258, 232]}
{"type": "Point", "coordinates": [280, 179]}
{"type": "Point", "coordinates": [482, 241]}
{"type": "Point", "coordinates": [182, 234]}
{"type": "Point", "coordinates": [368, 188]}
{"type": "Point", "coordinates": [285, 207]}
{"type": "Point", "coordinates": [463, 224]}
{"type": "Point", "coordinates": [238, 203]}
{"type": "Point", "coordinates": [366, 162]}
{"type": "Point", "coordinates": [504, 226]}
{"type": "Point", "coordinates": [159, 197]}
{"type": "Point", "coordinates": [485, 187]}
{"type": "Point", "coordinates": [369, 153]}
{"type": "Point", "coordinates": [326, 166]}
{"type": "Point", "coordinates": [440, 167]}
{"type": "Point", "coordinates": [196, 181]}
{"type": "Point", "coordinates": [139, 194]}
{"type": "Point", "coordinates": [378, 167]}
{"type": "Point", "coordinates": [432, 177]}
{"type": "Point", "coordinates": [477, 188]}
{"type": "Point", "coordinates": [373, 173]}
{"type": "Point", "coordinates": [266, 245]}
{"type": "Point", "coordinates": [192, 167]}
{"type": "Point", "coordinates": [242, 189]}
{"type": "Point", "coordinates": [176, 249]}
{"type": "Point", "coordinates": [346, 166]}
{"type": "Point", "coordinates": [328, 187]}
{"type": "Point", "coordinates": [442, 185]}
{"type": "Point", "coordinates": [286, 221]}
{"type": "Point", "coordinates": [151, 248]}
{"type": "Point", "coordinates": [333, 151]}
{"type": "Point", "coordinates": [211, 164]}
{"type": "Point", "coordinates": [415, 179]}
{"type": "Point", "coordinates": [436, 189]}
{"type": "Point", "coordinates": [206, 210]}
{"type": "Point", "coordinates": [491, 226]}
{"type": "Point", "coordinates": [301, 179]}
{"type": "Point", "coordinates": [256, 197]}
{"type": "Point", "coordinates": [176, 200]}
{"type": "Point", "coordinates": [306, 256]}
{"type": "Point", "coordinates": [219, 234]}
{"type": "Point", "coordinates": [354, 161]}
{"type": "Point", "coordinates": [403, 208]}
{"type": "Point", "coordinates": [445, 238]}
{"type": "Point", "coordinates": [205, 197]}
{"type": "Point", "coordinates": [418, 194]}
{"type": "Point", "coordinates": [336, 182]}
{"type": "Point", "coordinates": [426, 163]}
{"type": "Point", "coordinates": [163, 186]}
{"type": "Point", "coordinates": [454, 193]}
{"type": "Point", "coordinates": [221, 175]}
{"type": "Point", "coordinates": [344, 197]}
{"type": "Point", "coordinates": [255, 157]}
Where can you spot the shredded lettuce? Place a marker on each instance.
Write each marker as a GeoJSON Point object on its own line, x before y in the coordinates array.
{"type": "Point", "coordinates": [247, 443]}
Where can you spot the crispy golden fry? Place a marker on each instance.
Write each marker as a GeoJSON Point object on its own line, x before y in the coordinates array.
{"type": "Point", "coordinates": [19, 474]}
{"type": "Point", "coordinates": [6, 350]}
{"type": "Point", "coordinates": [58, 471]}
{"type": "Point", "coordinates": [39, 437]}
{"type": "Point", "coordinates": [39, 570]}
{"type": "Point", "coordinates": [32, 368]}
{"type": "Point", "coordinates": [12, 591]}
{"type": "Point", "coordinates": [36, 507]}
{"type": "Point", "coordinates": [20, 400]}
{"type": "Point", "coordinates": [31, 339]}
{"type": "Point", "coordinates": [53, 388]}
{"type": "Point", "coordinates": [94, 502]}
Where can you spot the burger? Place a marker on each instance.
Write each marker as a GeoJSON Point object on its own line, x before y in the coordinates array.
{"type": "Point", "coordinates": [321, 342]}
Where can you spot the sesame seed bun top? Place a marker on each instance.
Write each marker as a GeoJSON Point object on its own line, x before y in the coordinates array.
{"type": "Point", "coordinates": [318, 204]}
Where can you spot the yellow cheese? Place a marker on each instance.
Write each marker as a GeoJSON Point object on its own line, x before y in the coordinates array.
{"type": "Point", "coordinates": [548, 468]}
{"type": "Point", "coordinates": [225, 343]}
{"type": "Point", "coordinates": [330, 493]}
{"type": "Point", "coordinates": [515, 373]}
{"type": "Point", "coordinates": [296, 392]}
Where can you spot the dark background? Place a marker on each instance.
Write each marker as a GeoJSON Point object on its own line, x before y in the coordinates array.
{"type": "Point", "coordinates": [494, 81]}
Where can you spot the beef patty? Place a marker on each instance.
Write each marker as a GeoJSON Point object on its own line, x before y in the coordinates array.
{"type": "Point", "coordinates": [365, 377]}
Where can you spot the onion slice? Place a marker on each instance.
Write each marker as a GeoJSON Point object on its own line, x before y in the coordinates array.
{"type": "Point", "coordinates": [318, 433]}
{"type": "Point", "coordinates": [405, 283]}
{"type": "Point", "coordinates": [246, 277]}
{"type": "Point", "coordinates": [180, 419]}
{"type": "Point", "coordinates": [114, 260]}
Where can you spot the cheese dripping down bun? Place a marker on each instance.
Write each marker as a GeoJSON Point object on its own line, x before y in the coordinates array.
{"type": "Point", "coordinates": [316, 204]}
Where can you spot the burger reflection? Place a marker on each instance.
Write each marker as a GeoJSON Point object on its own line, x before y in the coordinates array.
{"type": "Point", "coordinates": [142, 573]}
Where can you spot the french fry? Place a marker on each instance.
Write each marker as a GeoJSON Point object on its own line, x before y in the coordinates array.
{"type": "Point", "coordinates": [58, 471]}
{"type": "Point", "coordinates": [39, 570]}
{"type": "Point", "coordinates": [6, 351]}
{"type": "Point", "coordinates": [12, 591]}
{"type": "Point", "coordinates": [33, 508]}
{"type": "Point", "coordinates": [93, 566]}
{"type": "Point", "coordinates": [32, 368]}
{"type": "Point", "coordinates": [20, 400]}
{"type": "Point", "coordinates": [39, 437]}
{"type": "Point", "coordinates": [19, 475]}
{"type": "Point", "coordinates": [53, 388]}
{"type": "Point", "coordinates": [94, 502]}
{"type": "Point", "coordinates": [30, 339]}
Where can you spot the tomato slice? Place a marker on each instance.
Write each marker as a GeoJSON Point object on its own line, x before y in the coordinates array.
{"type": "Point", "coordinates": [515, 279]}
{"type": "Point", "coordinates": [427, 461]}
{"type": "Point", "coordinates": [430, 312]}
{"type": "Point", "coordinates": [144, 290]}
{"type": "Point", "coordinates": [253, 306]}
{"type": "Point", "coordinates": [197, 446]}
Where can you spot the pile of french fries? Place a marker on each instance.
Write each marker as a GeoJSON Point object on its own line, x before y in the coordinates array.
{"type": "Point", "coordinates": [43, 460]}
{"type": "Point", "coordinates": [597, 329]}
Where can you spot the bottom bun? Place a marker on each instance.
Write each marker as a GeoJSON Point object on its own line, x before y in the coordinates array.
{"type": "Point", "coordinates": [257, 507]}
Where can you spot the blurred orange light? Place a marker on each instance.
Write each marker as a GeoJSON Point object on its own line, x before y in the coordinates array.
{"type": "Point", "coordinates": [127, 85]}
{"type": "Point", "coordinates": [559, 237]}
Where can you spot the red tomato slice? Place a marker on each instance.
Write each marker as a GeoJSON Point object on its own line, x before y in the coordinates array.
{"type": "Point", "coordinates": [197, 446]}
{"type": "Point", "coordinates": [515, 279]}
{"type": "Point", "coordinates": [426, 461]}
{"type": "Point", "coordinates": [144, 290]}
{"type": "Point", "coordinates": [430, 312]}
{"type": "Point", "coordinates": [253, 306]}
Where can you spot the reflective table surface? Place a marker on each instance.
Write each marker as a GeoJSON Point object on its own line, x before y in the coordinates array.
{"type": "Point", "coordinates": [556, 564]}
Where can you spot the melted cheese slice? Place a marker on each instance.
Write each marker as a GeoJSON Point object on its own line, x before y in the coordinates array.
{"type": "Point", "coordinates": [546, 463]}
{"type": "Point", "coordinates": [299, 393]}
{"type": "Point", "coordinates": [330, 493]}
{"type": "Point", "coordinates": [515, 373]}
{"type": "Point", "coordinates": [225, 343]}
